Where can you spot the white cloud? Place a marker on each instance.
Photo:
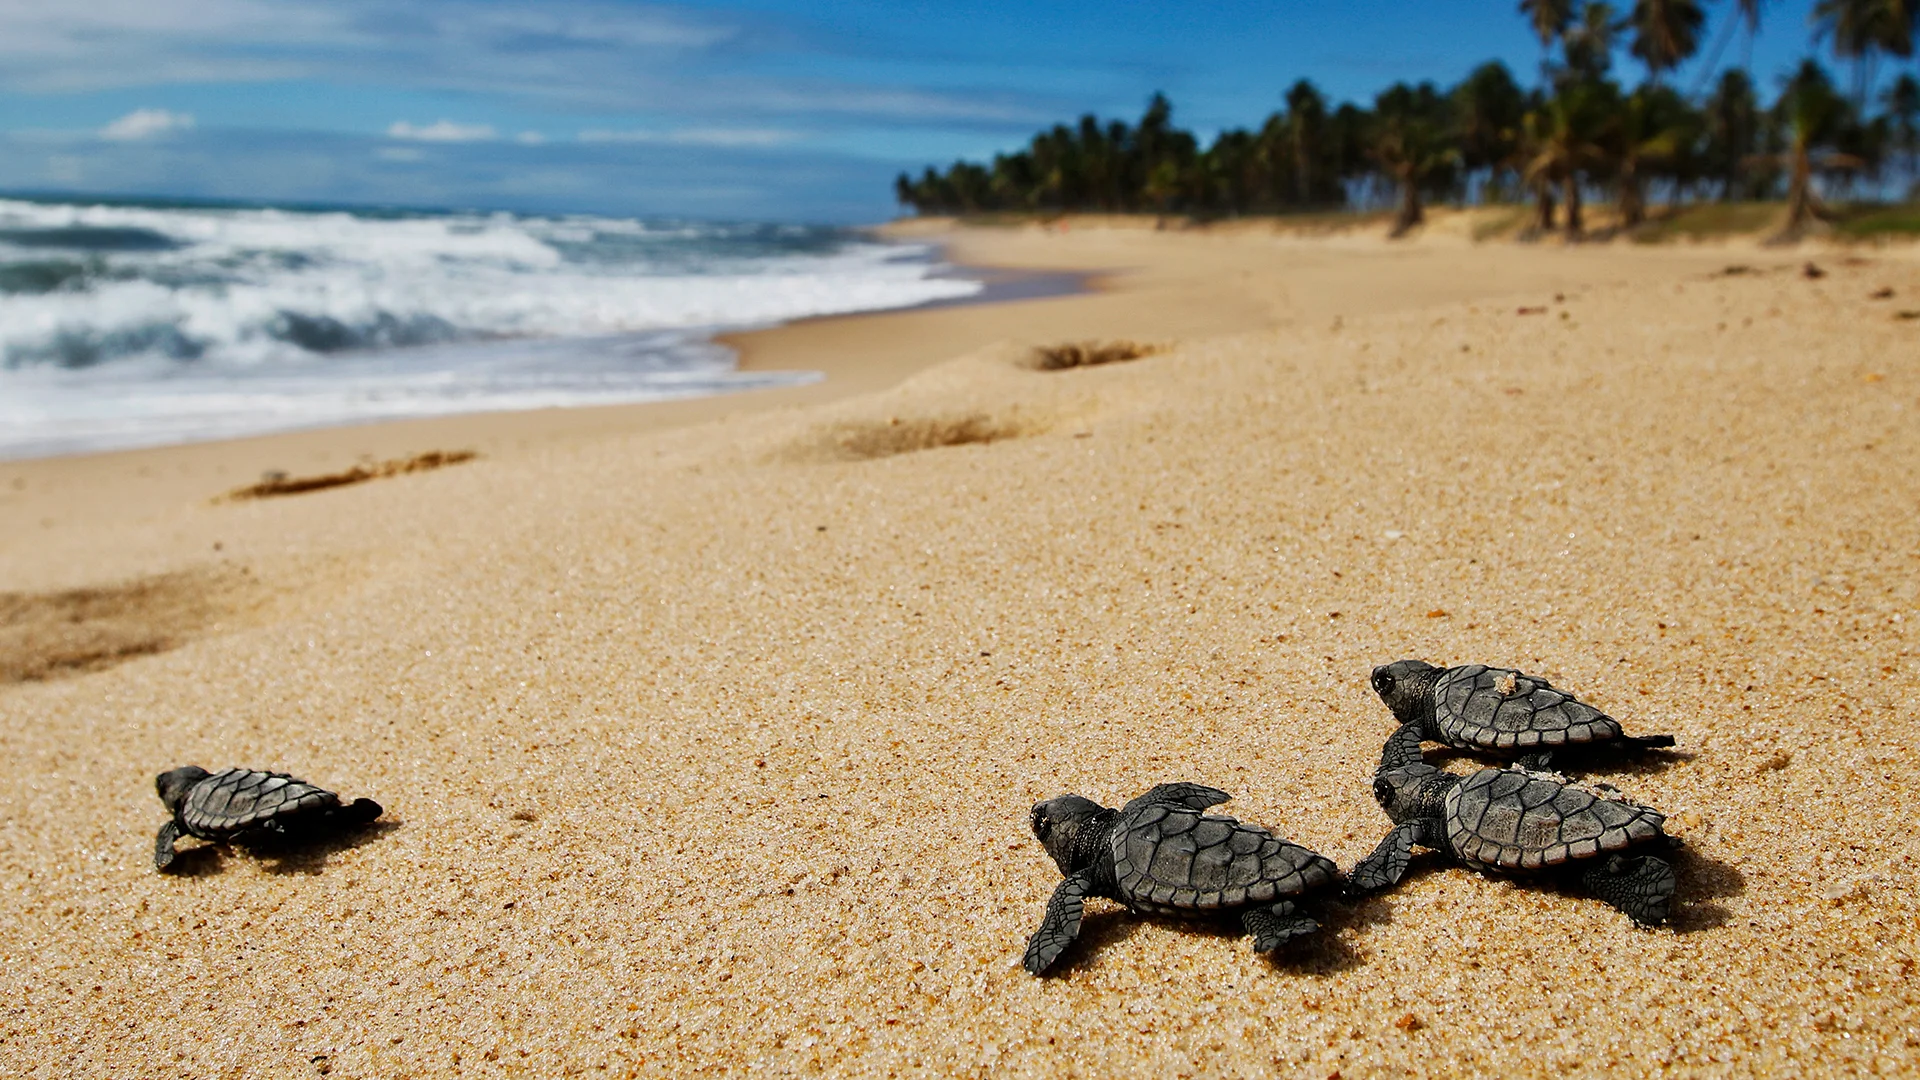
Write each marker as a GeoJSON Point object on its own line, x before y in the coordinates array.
{"type": "Point", "coordinates": [694, 136]}
{"type": "Point", "coordinates": [442, 131]}
{"type": "Point", "coordinates": [530, 138]}
{"type": "Point", "coordinates": [147, 124]}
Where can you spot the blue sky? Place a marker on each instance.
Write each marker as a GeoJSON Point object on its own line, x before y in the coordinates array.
{"type": "Point", "coordinates": [754, 108]}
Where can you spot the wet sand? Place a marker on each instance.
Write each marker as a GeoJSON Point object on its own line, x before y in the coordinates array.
{"type": "Point", "coordinates": [707, 741]}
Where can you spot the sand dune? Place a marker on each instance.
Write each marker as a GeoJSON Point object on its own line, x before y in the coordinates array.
{"type": "Point", "coordinates": [709, 746]}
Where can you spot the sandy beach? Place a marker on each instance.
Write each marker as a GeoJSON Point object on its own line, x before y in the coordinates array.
{"type": "Point", "coordinates": [707, 731]}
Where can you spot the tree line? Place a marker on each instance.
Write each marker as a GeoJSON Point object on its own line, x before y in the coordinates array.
{"type": "Point", "coordinates": [1577, 131]}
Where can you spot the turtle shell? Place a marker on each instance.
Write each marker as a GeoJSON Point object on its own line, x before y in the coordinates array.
{"type": "Point", "coordinates": [1500, 709]}
{"type": "Point", "coordinates": [1509, 819]}
{"type": "Point", "coordinates": [236, 800]}
{"type": "Point", "coordinates": [1169, 859]}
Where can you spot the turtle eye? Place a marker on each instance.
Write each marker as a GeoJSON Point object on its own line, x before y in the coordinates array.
{"type": "Point", "coordinates": [1382, 791]}
{"type": "Point", "coordinates": [1382, 681]}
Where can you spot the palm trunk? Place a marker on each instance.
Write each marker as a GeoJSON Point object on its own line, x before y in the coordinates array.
{"type": "Point", "coordinates": [1543, 206]}
{"type": "Point", "coordinates": [1633, 201]}
{"type": "Point", "coordinates": [1802, 204]}
{"type": "Point", "coordinates": [1570, 188]}
{"type": "Point", "coordinates": [1302, 177]}
{"type": "Point", "coordinates": [1411, 213]}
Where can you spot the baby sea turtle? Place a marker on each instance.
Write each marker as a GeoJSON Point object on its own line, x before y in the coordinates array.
{"type": "Point", "coordinates": [1515, 821]}
{"type": "Point", "coordinates": [1161, 855]}
{"type": "Point", "coordinates": [241, 804]}
{"type": "Point", "coordinates": [1497, 710]}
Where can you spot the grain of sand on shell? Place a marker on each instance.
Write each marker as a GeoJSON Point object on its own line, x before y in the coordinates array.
{"type": "Point", "coordinates": [713, 748]}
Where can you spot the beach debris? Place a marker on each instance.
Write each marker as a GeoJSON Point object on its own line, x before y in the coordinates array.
{"type": "Point", "coordinates": [1162, 855]}
{"type": "Point", "coordinates": [1499, 711]}
{"type": "Point", "coordinates": [1736, 269]}
{"type": "Point", "coordinates": [1511, 821]}
{"type": "Point", "coordinates": [276, 481]}
{"type": "Point", "coordinates": [1812, 272]}
{"type": "Point", "coordinates": [1073, 354]}
{"type": "Point", "coordinates": [1906, 315]}
{"type": "Point", "coordinates": [1885, 292]}
{"type": "Point", "coordinates": [241, 805]}
{"type": "Point", "coordinates": [1541, 310]}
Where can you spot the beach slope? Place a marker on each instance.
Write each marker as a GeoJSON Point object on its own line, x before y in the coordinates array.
{"type": "Point", "coordinates": [710, 747]}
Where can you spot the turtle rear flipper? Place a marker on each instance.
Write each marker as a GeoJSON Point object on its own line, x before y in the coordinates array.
{"type": "Point", "coordinates": [1061, 925]}
{"type": "Point", "coordinates": [1191, 796]}
{"type": "Point", "coordinates": [163, 845]}
{"type": "Point", "coordinates": [1272, 927]}
{"type": "Point", "coordinates": [1648, 742]}
{"type": "Point", "coordinates": [1642, 887]}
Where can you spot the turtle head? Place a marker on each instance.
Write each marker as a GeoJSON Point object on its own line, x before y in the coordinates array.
{"type": "Point", "coordinates": [1412, 792]}
{"type": "Point", "coordinates": [1057, 823]}
{"type": "Point", "coordinates": [174, 784]}
{"type": "Point", "coordinates": [1407, 688]}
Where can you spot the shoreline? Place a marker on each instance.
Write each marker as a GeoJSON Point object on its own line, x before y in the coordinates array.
{"type": "Point", "coordinates": [169, 474]}
{"type": "Point", "coordinates": [1140, 283]}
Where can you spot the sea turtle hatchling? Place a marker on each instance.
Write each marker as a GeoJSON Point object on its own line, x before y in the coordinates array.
{"type": "Point", "coordinates": [1498, 710]}
{"type": "Point", "coordinates": [1517, 822]}
{"type": "Point", "coordinates": [1161, 854]}
{"type": "Point", "coordinates": [241, 804]}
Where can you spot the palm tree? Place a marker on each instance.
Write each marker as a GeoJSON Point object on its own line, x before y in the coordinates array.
{"type": "Point", "coordinates": [1860, 30]}
{"type": "Point", "coordinates": [1815, 117]}
{"type": "Point", "coordinates": [1306, 119]}
{"type": "Point", "coordinates": [1653, 127]}
{"type": "Point", "coordinates": [1489, 111]}
{"type": "Point", "coordinates": [1666, 33]}
{"type": "Point", "coordinates": [1733, 123]}
{"type": "Point", "coordinates": [1902, 101]}
{"type": "Point", "coordinates": [1588, 43]}
{"type": "Point", "coordinates": [1411, 145]}
{"type": "Point", "coordinates": [1567, 136]}
{"type": "Point", "coordinates": [1549, 19]}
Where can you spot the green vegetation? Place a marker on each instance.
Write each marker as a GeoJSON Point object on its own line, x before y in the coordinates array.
{"type": "Point", "coordinates": [1709, 221]}
{"type": "Point", "coordinates": [1576, 135]}
{"type": "Point", "coordinates": [1866, 222]}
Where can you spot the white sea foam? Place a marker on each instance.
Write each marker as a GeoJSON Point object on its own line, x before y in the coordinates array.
{"type": "Point", "coordinates": [132, 325]}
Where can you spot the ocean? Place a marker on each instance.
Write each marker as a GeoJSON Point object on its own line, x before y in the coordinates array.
{"type": "Point", "coordinates": [132, 324]}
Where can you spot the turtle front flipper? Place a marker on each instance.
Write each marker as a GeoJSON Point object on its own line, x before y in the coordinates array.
{"type": "Point", "coordinates": [1061, 925]}
{"type": "Point", "coordinates": [1274, 926]}
{"type": "Point", "coordinates": [1388, 863]}
{"type": "Point", "coordinates": [1402, 749]}
{"type": "Point", "coordinates": [163, 845]}
{"type": "Point", "coordinates": [1642, 887]}
{"type": "Point", "coordinates": [1191, 796]}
